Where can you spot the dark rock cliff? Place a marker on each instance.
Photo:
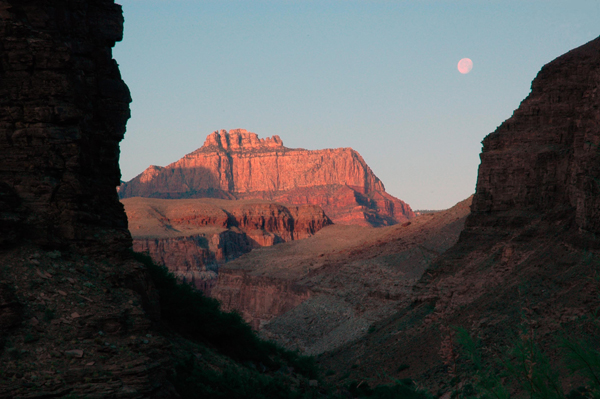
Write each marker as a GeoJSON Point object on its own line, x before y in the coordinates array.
{"type": "Point", "coordinates": [529, 253]}
{"type": "Point", "coordinates": [63, 109]}
{"type": "Point", "coordinates": [66, 283]}
{"type": "Point", "coordinates": [547, 155]}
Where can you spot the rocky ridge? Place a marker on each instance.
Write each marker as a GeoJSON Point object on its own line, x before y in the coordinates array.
{"type": "Point", "coordinates": [529, 246]}
{"type": "Point", "coordinates": [193, 237]}
{"type": "Point", "coordinates": [78, 326]}
{"type": "Point", "coordinates": [239, 165]}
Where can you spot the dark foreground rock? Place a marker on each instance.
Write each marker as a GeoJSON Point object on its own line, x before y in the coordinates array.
{"type": "Point", "coordinates": [63, 109]}
{"type": "Point", "coordinates": [77, 320]}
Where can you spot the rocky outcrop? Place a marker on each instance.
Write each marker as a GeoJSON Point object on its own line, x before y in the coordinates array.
{"type": "Point", "coordinates": [193, 237]}
{"type": "Point", "coordinates": [63, 109]}
{"type": "Point", "coordinates": [10, 308]}
{"type": "Point", "coordinates": [68, 316]}
{"type": "Point", "coordinates": [529, 246]}
{"type": "Point", "coordinates": [238, 164]}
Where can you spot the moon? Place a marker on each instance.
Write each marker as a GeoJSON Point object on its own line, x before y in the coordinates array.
{"type": "Point", "coordinates": [465, 65]}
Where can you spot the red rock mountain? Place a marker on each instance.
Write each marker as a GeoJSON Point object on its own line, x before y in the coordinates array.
{"type": "Point", "coordinates": [239, 165]}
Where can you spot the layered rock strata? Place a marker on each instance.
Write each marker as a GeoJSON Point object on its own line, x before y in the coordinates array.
{"type": "Point", "coordinates": [193, 237]}
{"type": "Point", "coordinates": [63, 109]}
{"type": "Point", "coordinates": [529, 246]}
{"type": "Point", "coordinates": [237, 164]}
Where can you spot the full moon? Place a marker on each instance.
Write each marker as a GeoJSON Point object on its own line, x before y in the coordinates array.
{"type": "Point", "coordinates": [465, 65]}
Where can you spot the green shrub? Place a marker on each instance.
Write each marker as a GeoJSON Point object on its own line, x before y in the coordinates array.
{"type": "Point", "coordinates": [398, 391]}
{"type": "Point", "coordinates": [526, 364]}
{"type": "Point", "coordinates": [193, 381]}
{"type": "Point", "coordinates": [583, 359]}
{"type": "Point", "coordinates": [402, 389]}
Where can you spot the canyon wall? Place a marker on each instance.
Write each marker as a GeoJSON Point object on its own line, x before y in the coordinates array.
{"type": "Point", "coordinates": [546, 157]}
{"type": "Point", "coordinates": [237, 164]}
{"type": "Point", "coordinates": [63, 109]}
{"type": "Point", "coordinates": [192, 237]}
{"type": "Point", "coordinates": [258, 298]}
{"type": "Point", "coordinates": [70, 298]}
{"type": "Point", "coordinates": [525, 260]}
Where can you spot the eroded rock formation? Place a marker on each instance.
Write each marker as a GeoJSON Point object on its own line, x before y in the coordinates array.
{"type": "Point", "coordinates": [193, 237]}
{"type": "Point", "coordinates": [63, 109]}
{"type": "Point", "coordinates": [258, 298]}
{"type": "Point", "coordinates": [237, 164]}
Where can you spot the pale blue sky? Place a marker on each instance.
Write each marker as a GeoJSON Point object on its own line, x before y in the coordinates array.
{"type": "Point", "coordinates": [378, 76]}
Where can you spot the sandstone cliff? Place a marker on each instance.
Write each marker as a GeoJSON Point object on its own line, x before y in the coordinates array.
{"type": "Point", "coordinates": [192, 237]}
{"type": "Point", "coordinates": [529, 246]}
{"type": "Point", "coordinates": [63, 109]}
{"type": "Point", "coordinates": [237, 164]}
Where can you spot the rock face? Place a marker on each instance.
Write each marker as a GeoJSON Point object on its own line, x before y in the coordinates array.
{"type": "Point", "coordinates": [529, 246]}
{"type": "Point", "coordinates": [193, 237]}
{"type": "Point", "coordinates": [10, 308]}
{"type": "Point", "coordinates": [63, 109]}
{"type": "Point", "coordinates": [237, 164]}
{"type": "Point", "coordinates": [320, 293]}
{"type": "Point", "coordinates": [547, 155]}
{"type": "Point", "coordinates": [68, 313]}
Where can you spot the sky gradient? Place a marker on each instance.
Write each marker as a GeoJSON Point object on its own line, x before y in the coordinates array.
{"type": "Point", "coordinates": [378, 76]}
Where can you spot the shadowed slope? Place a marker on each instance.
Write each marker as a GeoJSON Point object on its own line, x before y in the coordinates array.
{"type": "Point", "coordinates": [529, 250]}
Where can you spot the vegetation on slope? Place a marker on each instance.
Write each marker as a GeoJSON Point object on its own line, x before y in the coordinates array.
{"type": "Point", "coordinates": [525, 370]}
